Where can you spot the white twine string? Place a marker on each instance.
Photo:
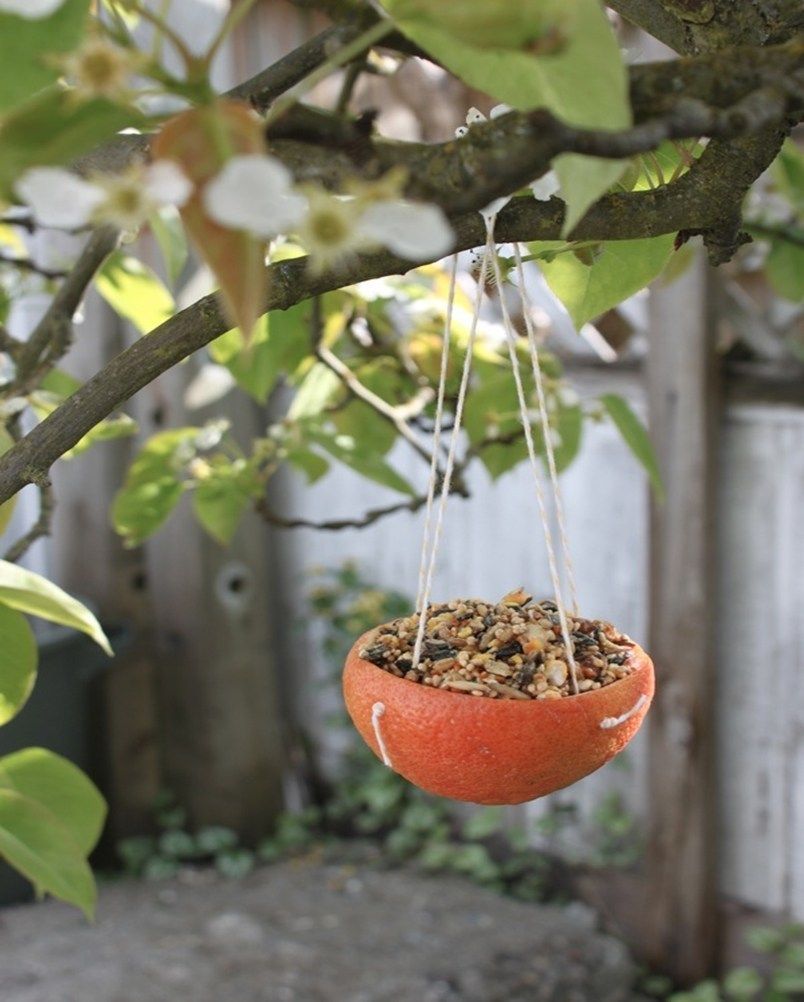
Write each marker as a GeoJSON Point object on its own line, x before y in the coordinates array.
{"type": "Point", "coordinates": [439, 416]}
{"type": "Point", "coordinates": [608, 722]}
{"type": "Point", "coordinates": [533, 344]}
{"type": "Point", "coordinates": [377, 711]}
{"type": "Point", "coordinates": [534, 461]}
{"type": "Point", "coordinates": [450, 465]}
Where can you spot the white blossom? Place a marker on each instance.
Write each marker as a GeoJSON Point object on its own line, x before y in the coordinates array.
{"type": "Point", "coordinates": [59, 198]}
{"type": "Point", "coordinates": [413, 230]}
{"type": "Point", "coordinates": [543, 188]}
{"type": "Point", "coordinates": [254, 192]}
{"type": "Point", "coordinates": [30, 9]}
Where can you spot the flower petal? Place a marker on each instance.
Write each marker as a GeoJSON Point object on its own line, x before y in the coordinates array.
{"type": "Point", "coordinates": [253, 192]}
{"type": "Point", "coordinates": [166, 183]}
{"type": "Point", "coordinates": [57, 197]}
{"type": "Point", "coordinates": [546, 186]}
{"type": "Point", "coordinates": [500, 109]}
{"type": "Point", "coordinates": [30, 9]}
{"type": "Point", "coordinates": [413, 230]}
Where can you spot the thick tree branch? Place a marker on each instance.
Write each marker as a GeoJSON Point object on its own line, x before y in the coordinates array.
{"type": "Point", "coordinates": [693, 201]}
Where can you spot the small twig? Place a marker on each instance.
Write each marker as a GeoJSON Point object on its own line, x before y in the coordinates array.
{"type": "Point", "coordinates": [350, 78]}
{"type": "Point", "coordinates": [26, 264]}
{"type": "Point", "coordinates": [789, 232]}
{"type": "Point", "coordinates": [396, 415]}
{"type": "Point", "coordinates": [50, 338]}
{"type": "Point", "coordinates": [337, 524]}
{"type": "Point", "coordinates": [40, 528]}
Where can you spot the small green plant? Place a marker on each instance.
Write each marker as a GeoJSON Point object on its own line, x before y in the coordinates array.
{"type": "Point", "coordinates": [161, 856]}
{"type": "Point", "coordinates": [784, 946]}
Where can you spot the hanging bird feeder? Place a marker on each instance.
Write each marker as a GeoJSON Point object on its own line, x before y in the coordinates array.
{"type": "Point", "coordinates": [521, 736]}
{"type": "Point", "coordinates": [496, 703]}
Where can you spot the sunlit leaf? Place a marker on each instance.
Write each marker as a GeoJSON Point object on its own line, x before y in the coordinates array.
{"type": "Point", "coordinates": [18, 659]}
{"type": "Point", "coordinates": [52, 130]}
{"type": "Point", "coordinates": [578, 74]}
{"type": "Point", "coordinates": [167, 228]}
{"type": "Point", "coordinates": [35, 842]}
{"type": "Point", "coordinates": [134, 291]}
{"type": "Point", "coordinates": [26, 43]}
{"type": "Point", "coordinates": [635, 437]}
{"type": "Point", "coordinates": [315, 392]}
{"type": "Point", "coordinates": [28, 592]}
{"type": "Point", "coordinates": [279, 343]}
{"type": "Point", "coordinates": [61, 787]}
{"type": "Point", "coordinates": [619, 268]}
{"type": "Point", "coordinates": [785, 269]}
{"type": "Point", "coordinates": [570, 428]}
{"type": "Point", "coordinates": [153, 485]}
{"type": "Point", "coordinates": [351, 452]}
{"type": "Point", "coordinates": [223, 496]}
{"type": "Point", "coordinates": [7, 508]}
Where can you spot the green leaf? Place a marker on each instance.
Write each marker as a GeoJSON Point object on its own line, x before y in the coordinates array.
{"type": "Point", "coordinates": [31, 593]}
{"type": "Point", "coordinates": [135, 292]}
{"type": "Point", "coordinates": [121, 426]}
{"type": "Point", "coordinates": [167, 228]}
{"type": "Point", "coordinates": [54, 389]}
{"type": "Point", "coordinates": [223, 496]}
{"type": "Point", "coordinates": [7, 508]}
{"type": "Point", "coordinates": [352, 453]}
{"type": "Point", "coordinates": [788, 981]}
{"type": "Point", "coordinates": [61, 787]}
{"type": "Point", "coordinates": [153, 485]}
{"type": "Point", "coordinates": [35, 842]}
{"type": "Point", "coordinates": [279, 343]}
{"type": "Point", "coordinates": [743, 983]}
{"type": "Point", "coordinates": [18, 657]}
{"type": "Point", "coordinates": [765, 939]}
{"type": "Point", "coordinates": [583, 180]}
{"type": "Point", "coordinates": [635, 437]}
{"type": "Point", "coordinates": [483, 823]}
{"type": "Point", "coordinates": [788, 170]}
{"type": "Point", "coordinates": [360, 420]}
{"type": "Point", "coordinates": [619, 269]}
{"type": "Point", "coordinates": [52, 130]}
{"type": "Point", "coordinates": [785, 268]}
{"type": "Point", "coordinates": [581, 79]}
{"type": "Point", "coordinates": [313, 466]}
{"type": "Point", "coordinates": [315, 392]}
{"type": "Point", "coordinates": [26, 45]}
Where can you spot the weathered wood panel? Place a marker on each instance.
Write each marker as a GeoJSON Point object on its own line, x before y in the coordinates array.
{"type": "Point", "coordinates": [681, 915]}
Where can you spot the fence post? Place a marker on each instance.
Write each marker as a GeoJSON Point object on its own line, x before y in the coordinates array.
{"type": "Point", "coordinates": [683, 414]}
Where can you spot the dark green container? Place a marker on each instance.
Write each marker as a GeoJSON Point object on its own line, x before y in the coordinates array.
{"type": "Point", "coordinates": [62, 715]}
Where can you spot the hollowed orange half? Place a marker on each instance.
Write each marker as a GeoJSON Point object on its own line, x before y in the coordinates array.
{"type": "Point", "coordinates": [493, 751]}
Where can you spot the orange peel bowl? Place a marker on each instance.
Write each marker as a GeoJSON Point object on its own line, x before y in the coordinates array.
{"type": "Point", "coordinates": [493, 751]}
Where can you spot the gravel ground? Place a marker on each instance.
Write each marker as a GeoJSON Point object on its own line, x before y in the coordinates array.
{"type": "Point", "coordinates": [309, 932]}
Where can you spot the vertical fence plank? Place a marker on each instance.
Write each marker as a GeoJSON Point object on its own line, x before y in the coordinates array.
{"type": "Point", "coordinates": [681, 881]}
{"type": "Point", "coordinates": [219, 718]}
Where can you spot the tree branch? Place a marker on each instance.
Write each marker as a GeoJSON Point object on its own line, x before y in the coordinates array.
{"type": "Point", "coordinates": [624, 216]}
{"type": "Point", "coordinates": [391, 414]}
{"type": "Point", "coordinates": [40, 528]}
{"type": "Point", "coordinates": [51, 337]}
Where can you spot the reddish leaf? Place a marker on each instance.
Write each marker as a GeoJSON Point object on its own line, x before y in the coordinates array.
{"type": "Point", "coordinates": [201, 140]}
